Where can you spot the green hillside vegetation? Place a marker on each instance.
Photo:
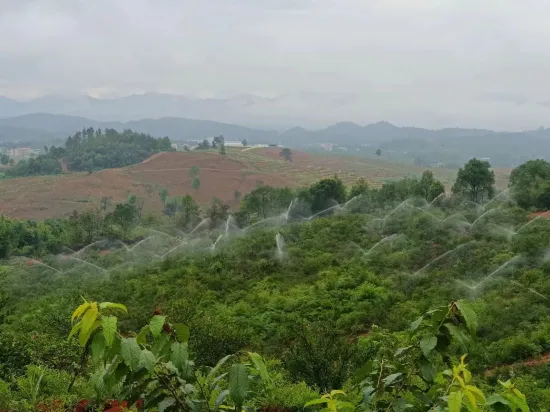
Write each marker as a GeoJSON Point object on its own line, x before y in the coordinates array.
{"type": "Point", "coordinates": [90, 150]}
{"type": "Point", "coordinates": [326, 298]}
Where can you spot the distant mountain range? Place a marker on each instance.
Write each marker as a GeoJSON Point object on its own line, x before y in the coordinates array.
{"type": "Point", "coordinates": [281, 111]}
{"type": "Point", "coordinates": [449, 146]}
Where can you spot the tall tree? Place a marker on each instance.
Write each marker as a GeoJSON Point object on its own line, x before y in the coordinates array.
{"type": "Point", "coordinates": [222, 150]}
{"type": "Point", "coordinates": [187, 215]}
{"type": "Point", "coordinates": [378, 153]}
{"type": "Point", "coordinates": [475, 181]}
{"type": "Point", "coordinates": [244, 142]}
{"type": "Point", "coordinates": [428, 187]}
{"type": "Point", "coordinates": [530, 184]}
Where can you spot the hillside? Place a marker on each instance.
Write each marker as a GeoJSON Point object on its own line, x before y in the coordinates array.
{"type": "Point", "coordinates": [242, 170]}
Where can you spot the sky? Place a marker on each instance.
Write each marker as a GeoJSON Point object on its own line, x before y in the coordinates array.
{"type": "Point", "coordinates": [428, 63]}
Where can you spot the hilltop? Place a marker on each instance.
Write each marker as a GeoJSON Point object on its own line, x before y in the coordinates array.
{"type": "Point", "coordinates": [241, 170]}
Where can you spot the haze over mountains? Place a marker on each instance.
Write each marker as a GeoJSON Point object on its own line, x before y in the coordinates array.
{"type": "Point", "coordinates": [278, 120]}
{"type": "Point", "coordinates": [280, 112]}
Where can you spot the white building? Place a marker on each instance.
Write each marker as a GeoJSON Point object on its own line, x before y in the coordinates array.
{"type": "Point", "coordinates": [233, 143]}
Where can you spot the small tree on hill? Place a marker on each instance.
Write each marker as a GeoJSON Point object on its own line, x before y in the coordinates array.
{"type": "Point", "coordinates": [4, 159]}
{"type": "Point", "coordinates": [194, 171]}
{"type": "Point", "coordinates": [286, 153]}
{"type": "Point", "coordinates": [222, 150]}
{"type": "Point", "coordinates": [244, 142]}
{"type": "Point", "coordinates": [163, 196]}
{"type": "Point", "coordinates": [378, 153]}
{"type": "Point", "coordinates": [196, 183]}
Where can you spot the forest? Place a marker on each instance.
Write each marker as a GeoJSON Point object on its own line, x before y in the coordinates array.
{"type": "Point", "coordinates": [325, 298]}
{"type": "Point", "coordinates": [90, 150]}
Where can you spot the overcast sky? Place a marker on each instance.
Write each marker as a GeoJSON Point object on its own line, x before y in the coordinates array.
{"type": "Point", "coordinates": [419, 62]}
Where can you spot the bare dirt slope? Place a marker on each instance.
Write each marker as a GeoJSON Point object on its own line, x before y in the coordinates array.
{"type": "Point", "coordinates": [52, 196]}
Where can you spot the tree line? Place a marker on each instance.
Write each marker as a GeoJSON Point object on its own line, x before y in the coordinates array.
{"type": "Point", "coordinates": [91, 150]}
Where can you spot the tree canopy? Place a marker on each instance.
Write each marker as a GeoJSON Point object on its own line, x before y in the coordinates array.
{"type": "Point", "coordinates": [530, 184]}
{"type": "Point", "coordinates": [475, 181]}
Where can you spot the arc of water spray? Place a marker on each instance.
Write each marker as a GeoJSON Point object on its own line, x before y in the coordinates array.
{"type": "Point", "coordinates": [380, 242]}
{"type": "Point", "coordinates": [437, 259]}
{"type": "Point", "coordinates": [496, 197]}
{"type": "Point", "coordinates": [164, 234]}
{"type": "Point", "coordinates": [528, 223]}
{"type": "Point", "coordinates": [216, 242]}
{"type": "Point", "coordinates": [337, 206]}
{"type": "Point", "coordinates": [201, 224]}
{"type": "Point", "coordinates": [36, 262]}
{"type": "Point", "coordinates": [86, 263]}
{"type": "Point", "coordinates": [489, 276]}
{"type": "Point", "coordinates": [485, 213]}
{"type": "Point", "coordinates": [174, 248]}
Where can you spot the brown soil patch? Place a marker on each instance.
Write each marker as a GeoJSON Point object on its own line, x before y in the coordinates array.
{"type": "Point", "coordinates": [54, 196]}
{"type": "Point", "coordinates": [541, 360]}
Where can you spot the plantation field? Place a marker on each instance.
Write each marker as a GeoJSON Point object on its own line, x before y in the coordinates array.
{"type": "Point", "coordinates": [241, 170]}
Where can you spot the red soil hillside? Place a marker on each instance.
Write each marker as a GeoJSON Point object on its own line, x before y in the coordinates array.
{"type": "Point", "coordinates": [242, 170]}
{"type": "Point", "coordinates": [49, 196]}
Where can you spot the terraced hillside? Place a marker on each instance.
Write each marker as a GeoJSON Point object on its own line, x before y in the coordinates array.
{"type": "Point", "coordinates": [241, 170]}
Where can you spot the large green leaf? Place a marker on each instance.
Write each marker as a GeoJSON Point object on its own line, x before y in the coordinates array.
{"type": "Point", "coordinates": [468, 314]}
{"type": "Point", "coordinates": [108, 325]}
{"type": "Point", "coordinates": [182, 332]}
{"type": "Point", "coordinates": [368, 395]}
{"type": "Point", "coordinates": [238, 384]}
{"type": "Point", "coordinates": [221, 399]}
{"type": "Point", "coordinates": [131, 352]}
{"type": "Point", "coordinates": [156, 325]}
{"type": "Point", "coordinates": [147, 360]}
{"type": "Point", "coordinates": [89, 317]}
{"type": "Point", "coordinates": [414, 325]}
{"type": "Point", "coordinates": [179, 355]}
{"type": "Point", "coordinates": [427, 344]}
{"type": "Point", "coordinates": [110, 305]}
{"type": "Point", "coordinates": [98, 347]}
{"type": "Point", "coordinates": [80, 310]}
{"type": "Point", "coordinates": [457, 334]}
{"type": "Point", "coordinates": [427, 370]}
{"type": "Point", "coordinates": [166, 403]}
{"type": "Point", "coordinates": [362, 373]}
{"type": "Point", "coordinates": [455, 401]}
{"type": "Point", "coordinates": [388, 380]}
{"type": "Point", "coordinates": [261, 367]}
{"type": "Point", "coordinates": [76, 327]}
{"type": "Point", "coordinates": [141, 338]}
{"type": "Point", "coordinates": [213, 372]}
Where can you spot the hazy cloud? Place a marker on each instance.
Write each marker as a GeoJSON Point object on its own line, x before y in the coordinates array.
{"type": "Point", "coordinates": [418, 62]}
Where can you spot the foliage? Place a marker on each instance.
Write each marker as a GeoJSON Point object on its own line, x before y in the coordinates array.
{"type": "Point", "coordinates": [325, 193]}
{"type": "Point", "coordinates": [90, 149]}
{"type": "Point", "coordinates": [475, 181]}
{"type": "Point", "coordinates": [530, 184]}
